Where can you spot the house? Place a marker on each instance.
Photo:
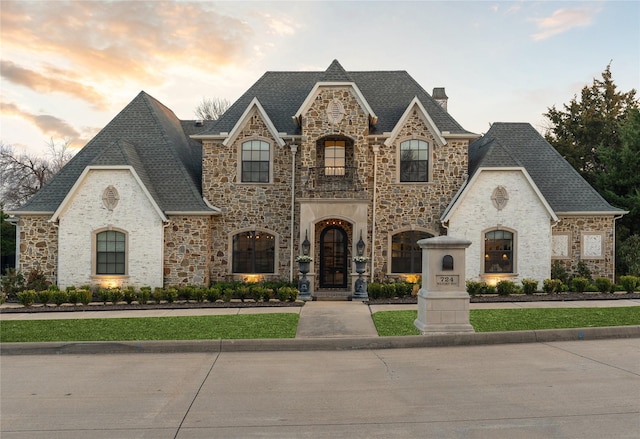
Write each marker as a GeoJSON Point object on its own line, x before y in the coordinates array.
{"type": "Point", "coordinates": [334, 163]}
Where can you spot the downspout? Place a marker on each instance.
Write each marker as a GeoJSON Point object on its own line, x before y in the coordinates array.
{"type": "Point", "coordinates": [294, 149]}
{"type": "Point", "coordinates": [376, 149]}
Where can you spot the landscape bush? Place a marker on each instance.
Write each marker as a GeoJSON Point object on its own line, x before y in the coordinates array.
{"type": "Point", "coordinates": [104, 295]}
{"type": "Point", "coordinates": [604, 284]}
{"type": "Point", "coordinates": [26, 297]}
{"type": "Point", "coordinates": [579, 284]}
{"type": "Point", "coordinates": [629, 283]}
{"type": "Point", "coordinates": [213, 294]}
{"type": "Point", "coordinates": [85, 295]}
{"type": "Point", "coordinates": [158, 294]}
{"type": "Point", "coordinates": [552, 286]}
{"type": "Point", "coordinates": [116, 295]}
{"type": "Point", "coordinates": [73, 296]}
{"type": "Point", "coordinates": [529, 286]}
{"type": "Point", "coordinates": [129, 295]}
{"type": "Point", "coordinates": [559, 272]}
{"type": "Point", "coordinates": [144, 295]}
{"type": "Point", "coordinates": [170, 294]}
{"type": "Point", "coordinates": [59, 297]}
{"type": "Point", "coordinates": [506, 287]}
{"type": "Point", "coordinates": [44, 296]}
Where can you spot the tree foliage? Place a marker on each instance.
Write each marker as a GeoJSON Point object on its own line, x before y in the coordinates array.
{"type": "Point", "coordinates": [22, 174]}
{"type": "Point", "coordinates": [599, 134]}
{"type": "Point", "coordinates": [211, 108]}
{"type": "Point", "coordinates": [590, 123]}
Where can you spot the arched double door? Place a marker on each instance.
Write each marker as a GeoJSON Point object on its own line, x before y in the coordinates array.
{"type": "Point", "coordinates": [334, 255]}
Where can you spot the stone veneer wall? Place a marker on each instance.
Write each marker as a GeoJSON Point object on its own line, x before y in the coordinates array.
{"type": "Point", "coordinates": [187, 250]}
{"type": "Point", "coordinates": [38, 246]}
{"type": "Point", "coordinates": [403, 206]}
{"type": "Point", "coordinates": [576, 226]}
{"type": "Point", "coordinates": [247, 206]}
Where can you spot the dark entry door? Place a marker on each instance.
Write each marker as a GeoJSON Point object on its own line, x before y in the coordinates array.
{"type": "Point", "coordinates": [333, 258]}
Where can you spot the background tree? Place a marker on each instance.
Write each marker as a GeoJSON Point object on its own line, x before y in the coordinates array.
{"type": "Point", "coordinates": [211, 108]}
{"type": "Point", "coordinates": [600, 136]}
{"type": "Point", "coordinates": [589, 124]}
{"type": "Point", "coordinates": [7, 242]}
{"type": "Point", "coordinates": [22, 174]}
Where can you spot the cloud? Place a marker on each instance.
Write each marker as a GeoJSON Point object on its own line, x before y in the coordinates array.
{"type": "Point", "coordinates": [96, 45]}
{"type": "Point", "coordinates": [49, 125]}
{"type": "Point", "coordinates": [563, 20]}
{"type": "Point", "coordinates": [280, 25]}
{"type": "Point", "coordinates": [54, 80]}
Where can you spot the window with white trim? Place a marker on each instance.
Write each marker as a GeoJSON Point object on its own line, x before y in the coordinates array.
{"type": "Point", "coordinates": [256, 161]}
{"type": "Point", "coordinates": [414, 161]}
{"type": "Point", "coordinates": [498, 251]}
{"type": "Point", "coordinates": [111, 253]}
{"type": "Point", "coordinates": [334, 157]}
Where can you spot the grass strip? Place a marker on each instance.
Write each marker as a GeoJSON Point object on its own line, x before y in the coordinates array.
{"type": "Point", "coordinates": [394, 323]}
{"type": "Point", "coordinates": [238, 326]}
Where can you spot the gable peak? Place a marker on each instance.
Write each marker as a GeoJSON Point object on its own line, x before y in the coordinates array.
{"type": "Point", "coordinates": [335, 73]}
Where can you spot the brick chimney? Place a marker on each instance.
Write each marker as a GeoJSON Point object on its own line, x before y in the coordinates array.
{"type": "Point", "coordinates": [441, 97]}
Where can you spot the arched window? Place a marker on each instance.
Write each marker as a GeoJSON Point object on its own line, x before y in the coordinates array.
{"type": "Point", "coordinates": [254, 252]}
{"type": "Point", "coordinates": [256, 161]}
{"type": "Point", "coordinates": [498, 251]}
{"type": "Point", "coordinates": [111, 247]}
{"type": "Point", "coordinates": [414, 161]}
{"type": "Point", "coordinates": [406, 254]}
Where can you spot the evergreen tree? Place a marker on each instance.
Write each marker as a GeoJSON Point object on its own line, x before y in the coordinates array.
{"type": "Point", "coordinates": [591, 124]}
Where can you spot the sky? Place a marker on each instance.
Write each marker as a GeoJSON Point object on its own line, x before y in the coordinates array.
{"type": "Point", "coordinates": [68, 67]}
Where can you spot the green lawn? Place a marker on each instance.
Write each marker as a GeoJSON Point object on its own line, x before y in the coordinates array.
{"type": "Point", "coordinates": [282, 325]}
{"type": "Point", "coordinates": [390, 323]}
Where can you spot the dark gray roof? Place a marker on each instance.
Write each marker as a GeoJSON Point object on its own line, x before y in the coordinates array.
{"type": "Point", "coordinates": [149, 137]}
{"type": "Point", "coordinates": [519, 144]}
{"type": "Point", "coordinates": [387, 92]}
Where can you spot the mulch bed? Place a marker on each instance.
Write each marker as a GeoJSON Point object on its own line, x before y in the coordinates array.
{"type": "Point", "coordinates": [562, 297]}
{"type": "Point", "coordinates": [492, 298]}
{"type": "Point", "coordinates": [37, 308]}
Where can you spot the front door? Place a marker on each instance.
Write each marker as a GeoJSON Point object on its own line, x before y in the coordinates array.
{"type": "Point", "coordinates": [333, 258]}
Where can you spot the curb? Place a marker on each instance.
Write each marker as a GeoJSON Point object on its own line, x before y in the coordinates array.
{"type": "Point", "coordinates": [319, 344]}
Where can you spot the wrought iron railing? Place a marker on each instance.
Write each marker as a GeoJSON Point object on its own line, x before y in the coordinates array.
{"type": "Point", "coordinates": [332, 181]}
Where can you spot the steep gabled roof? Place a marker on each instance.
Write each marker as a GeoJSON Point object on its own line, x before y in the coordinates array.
{"type": "Point", "coordinates": [149, 137]}
{"type": "Point", "coordinates": [387, 92]}
{"type": "Point", "coordinates": [519, 144]}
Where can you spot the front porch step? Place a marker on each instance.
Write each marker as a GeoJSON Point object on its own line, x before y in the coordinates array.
{"type": "Point", "coordinates": [332, 295]}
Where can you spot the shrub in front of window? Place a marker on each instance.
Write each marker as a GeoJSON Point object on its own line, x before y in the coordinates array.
{"type": "Point", "coordinates": [144, 295]}
{"type": "Point", "coordinates": [59, 297]}
{"type": "Point", "coordinates": [44, 296]}
{"type": "Point", "coordinates": [603, 284]}
{"type": "Point", "coordinates": [579, 284]}
{"type": "Point", "coordinates": [529, 286]}
{"type": "Point", "coordinates": [552, 286]}
{"type": "Point", "coordinates": [475, 287]}
{"type": "Point", "coordinates": [506, 288]}
{"type": "Point", "coordinates": [27, 297]}
{"type": "Point", "coordinates": [116, 295]}
{"type": "Point", "coordinates": [129, 295]}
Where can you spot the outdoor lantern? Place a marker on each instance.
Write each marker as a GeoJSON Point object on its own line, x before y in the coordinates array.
{"type": "Point", "coordinates": [306, 245]}
{"type": "Point", "coordinates": [360, 245]}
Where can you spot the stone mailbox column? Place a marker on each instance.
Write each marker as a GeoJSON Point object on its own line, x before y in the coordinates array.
{"type": "Point", "coordinates": [443, 302]}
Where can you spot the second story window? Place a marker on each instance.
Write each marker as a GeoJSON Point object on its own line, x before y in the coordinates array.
{"type": "Point", "coordinates": [256, 157]}
{"type": "Point", "coordinates": [414, 161]}
{"type": "Point", "coordinates": [334, 157]}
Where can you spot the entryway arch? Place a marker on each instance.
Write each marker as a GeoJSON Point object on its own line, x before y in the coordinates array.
{"type": "Point", "coordinates": [334, 253]}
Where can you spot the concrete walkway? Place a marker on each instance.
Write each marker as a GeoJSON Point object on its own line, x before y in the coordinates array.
{"type": "Point", "coordinates": [335, 319]}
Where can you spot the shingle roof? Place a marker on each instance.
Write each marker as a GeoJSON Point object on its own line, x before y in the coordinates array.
{"type": "Point", "coordinates": [387, 92]}
{"type": "Point", "coordinates": [519, 144]}
{"type": "Point", "coordinates": [149, 137]}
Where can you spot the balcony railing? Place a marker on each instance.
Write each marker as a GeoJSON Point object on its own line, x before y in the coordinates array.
{"type": "Point", "coordinates": [333, 181]}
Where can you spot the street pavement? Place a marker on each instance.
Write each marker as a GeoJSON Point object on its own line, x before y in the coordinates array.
{"type": "Point", "coordinates": [337, 378]}
{"type": "Point", "coordinates": [563, 390]}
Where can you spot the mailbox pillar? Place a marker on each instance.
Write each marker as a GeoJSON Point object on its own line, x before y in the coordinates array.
{"type": "Point", "coordinates": [443, 302]}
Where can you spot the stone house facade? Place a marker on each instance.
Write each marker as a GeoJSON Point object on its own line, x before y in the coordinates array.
{"type": "Point", "coordinates": [333, 164]}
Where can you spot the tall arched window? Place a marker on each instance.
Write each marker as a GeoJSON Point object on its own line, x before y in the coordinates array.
{"type": "Point", "coordinates": [498, 251]}
{"type": "Point", "coordinates": [334, 157]}
{"type": "Point", "coordinates": [256, 161]}
{"type": "Point", "coordinates": [414, 161]}
{"type": "Point", "coordinates": [254, 252]}
{"type": "Point", "coordinates": [111, 247]}
{"type": "Point", "coordinates": [406, 254]}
